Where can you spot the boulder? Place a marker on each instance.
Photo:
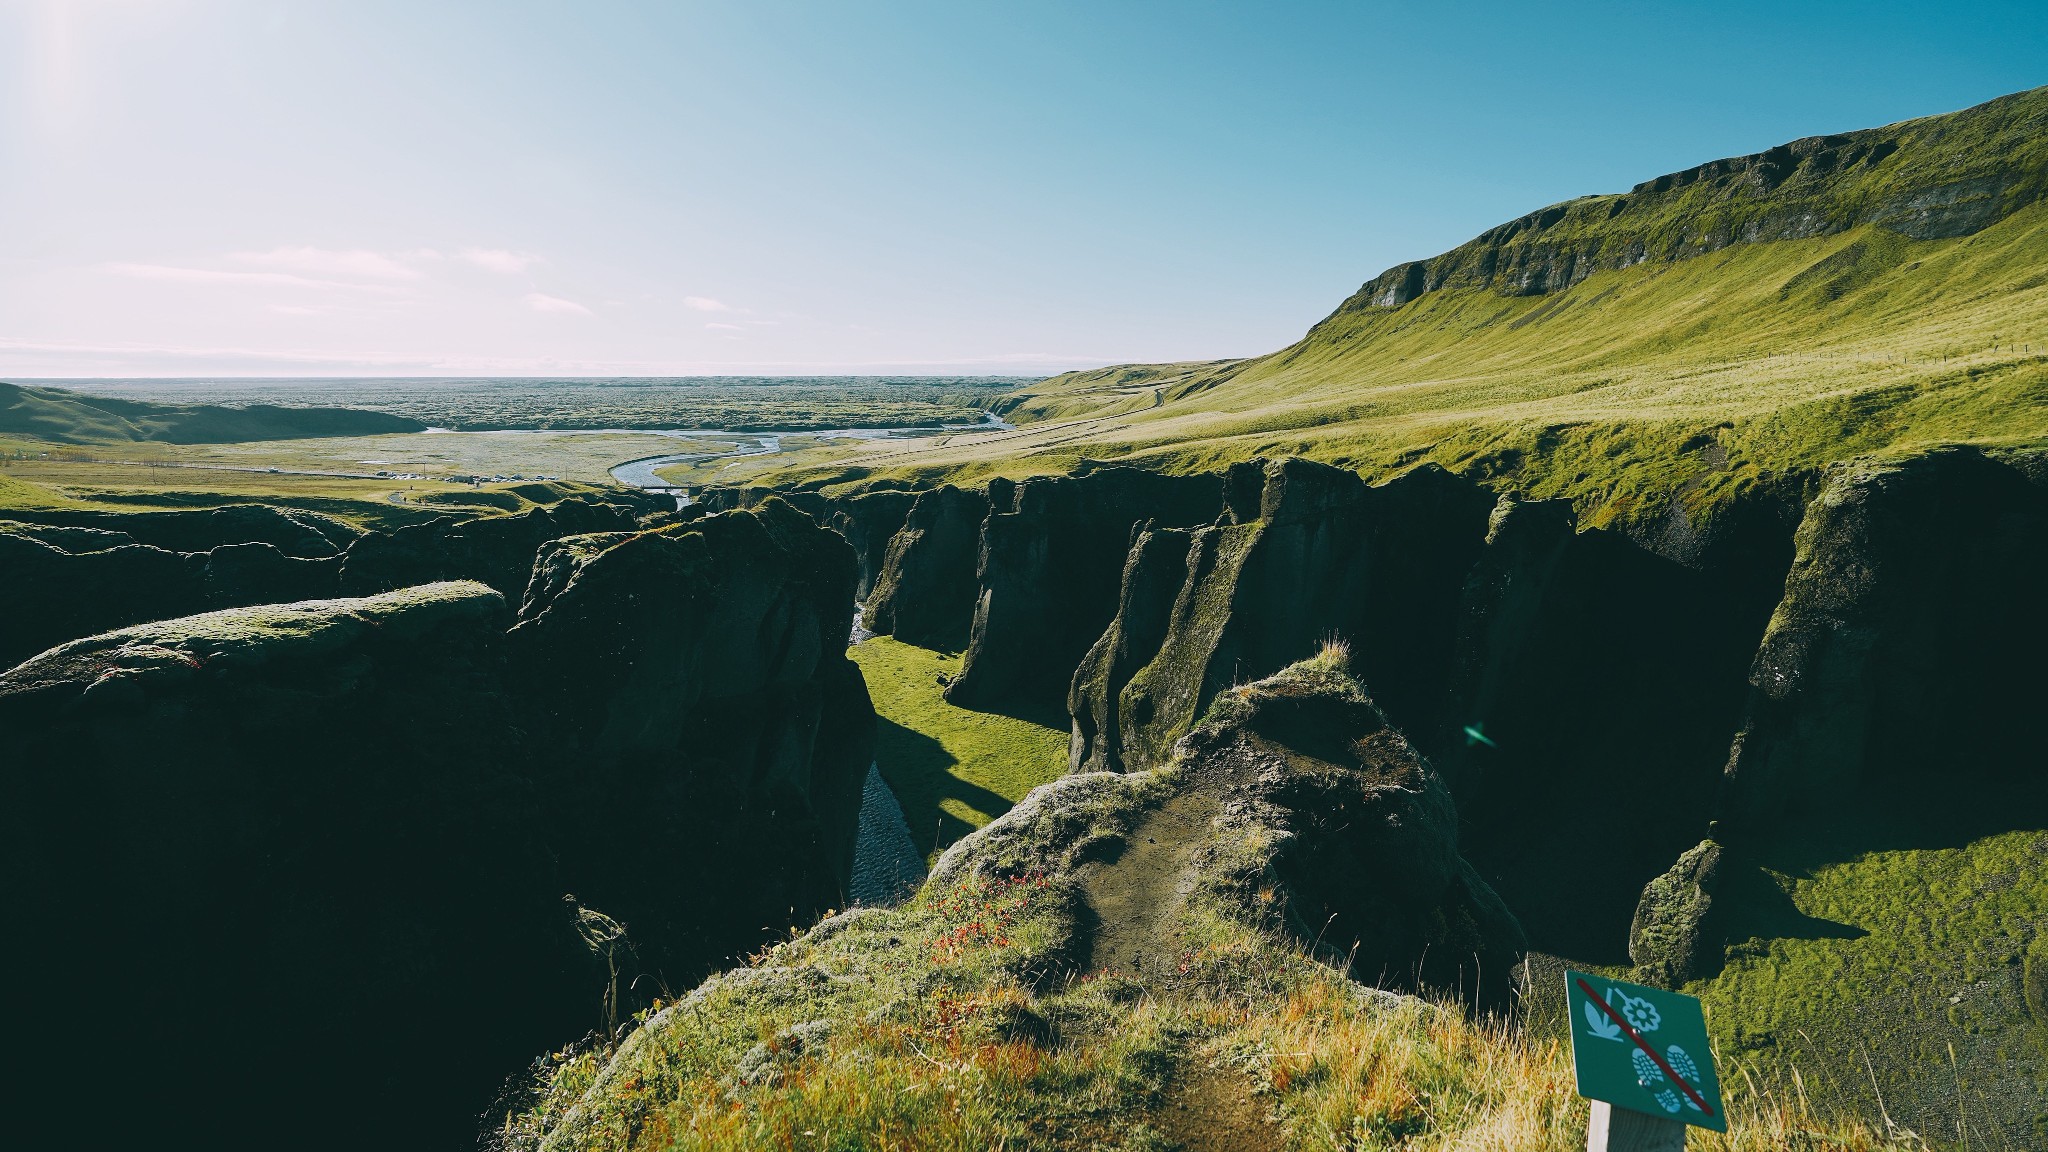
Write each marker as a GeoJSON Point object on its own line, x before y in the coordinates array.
{"type": "Point", "coordinates": [1670, 940]}
{"type": "Point", "coordinates": [925, 593]}
{"type": "Point", "coordinates": [1048, 575]}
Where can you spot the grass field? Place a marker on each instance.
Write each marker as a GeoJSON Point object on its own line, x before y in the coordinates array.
{"type": "Point", "coordinates": [951, 768]}
{"type": "Point", "coordinates": [1916, 959]}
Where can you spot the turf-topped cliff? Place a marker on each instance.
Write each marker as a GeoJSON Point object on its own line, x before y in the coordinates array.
{"type": "Point", "coordinates": [290, 851]}
{"type": "Point", "coordinates": [1121, 961]}
{"type": "Point", "coordinates": [1647, 354]}
{"type": "Point", "coordinates": [68, 417]}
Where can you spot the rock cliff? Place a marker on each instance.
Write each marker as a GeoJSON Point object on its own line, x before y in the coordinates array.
{"type": "Point", "coordinates": [702, 719]}
{"type": "Point", "coordinates": [1047, 577]}
{"type": "Point", "coordinates": [1306, 553]}
{"type": "Point", "coordinates": [496, 550]}
{"type": "Point", "coordinates": [321, 839]}
{"type": "Point", "coordinates": [286, 851]}
{"type": "Point", "coordinates": [925, 592]}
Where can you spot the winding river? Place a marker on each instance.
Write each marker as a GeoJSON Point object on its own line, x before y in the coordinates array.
{"type": "Point", "coordinates": [641, 473]}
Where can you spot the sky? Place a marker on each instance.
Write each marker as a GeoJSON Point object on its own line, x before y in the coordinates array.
{"type": "Point", "coordinates": [445, 187]}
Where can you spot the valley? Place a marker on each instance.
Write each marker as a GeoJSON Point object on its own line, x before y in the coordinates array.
{"type": "Point", "coordinates": [1650, 585]}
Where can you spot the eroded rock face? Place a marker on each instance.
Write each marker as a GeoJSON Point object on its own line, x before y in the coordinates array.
{"type": "Point", "coordinates": [869, 522]}
{"type": "Point", "coordinates": [925, 592]}
{"type": "Point", "coordinates": [68, 582]}
{"type": "Point", "coordinates": [702, 719]}
{"type": "Point", "coordinates": [320, 839]}
{"type": "Point", "coordinates": [1670, 939]}
{"type": "Point", "coordinates": [292, 531]}
{"type": "Point", "coordinates": [1594, 687]}
{"type": "Point", "coordinates": [1048, 574]}
{"type": "Point", "coordinates": [1908, 642]}
{"type": "Point", "coordinates": [496, 550]}
{"type": "Point", "coordinates": [300, 837]}
{"type": "Point", "coordinates": [1307, 553]}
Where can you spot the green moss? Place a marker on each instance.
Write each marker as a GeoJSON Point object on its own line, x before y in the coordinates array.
{"type": "Point", "coordinates": [953, 769]}
{"type": "Point", "coordinates": [1912, 959]}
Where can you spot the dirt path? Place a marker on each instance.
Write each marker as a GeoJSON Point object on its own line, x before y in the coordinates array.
{"type": "Point", "coordinates": [1138, 895]}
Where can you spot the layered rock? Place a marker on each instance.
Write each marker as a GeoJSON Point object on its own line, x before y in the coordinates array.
{"type": "Point", "coordinates": [1048, 575]}
{"type": "Point", "coordinates": [1906, 646]}
{"type": "Point", "coordinates": [495, 550]}
{"type": "Point", "coordinates": [300, 837]}
{"type": "Point", "coordinates": [925, 592]}
{"type": "Point", "coordinates": [67, 582]}
{"type": "Point", "coordinates": [1307, 553]}
{"type": "Point", "coordinates": [703, 720]}
{"type": "Point", "coordinates": [320, 839]}
{"type": "Point", "coordinates": [292, 531]}
{"type": "Point", "coordinates": [1594, 688]}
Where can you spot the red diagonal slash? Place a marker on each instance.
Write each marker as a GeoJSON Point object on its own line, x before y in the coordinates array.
{"type": "Point", "coordinates": [1644, 1045]}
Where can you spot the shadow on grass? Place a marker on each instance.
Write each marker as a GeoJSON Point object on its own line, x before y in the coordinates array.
{"type": "Point", "coordinates": [920, 771]}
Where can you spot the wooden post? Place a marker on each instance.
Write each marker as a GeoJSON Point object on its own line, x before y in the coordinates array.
{"type": "Point", "coordinates": [1620, 1130]}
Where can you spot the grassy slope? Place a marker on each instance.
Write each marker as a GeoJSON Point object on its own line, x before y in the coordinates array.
{"type": "Point", "coordinates": [1912, 958]}
{"type": "Point", "coordinates": [67, 417]}
{"type": "Point", "coordinates": [1791, 353]}
{"type": "Point", "coordinates": [951, 768]}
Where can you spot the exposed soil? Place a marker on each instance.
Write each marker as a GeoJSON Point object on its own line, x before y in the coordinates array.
{"type": "Point", "coordinates": [1137, 896]}
{"type": "Point", "coordinates": [1212, 1110]}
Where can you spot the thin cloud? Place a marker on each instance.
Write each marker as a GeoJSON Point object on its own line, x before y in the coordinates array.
{"type": "Point", "coordinates": [355, 262]}
{"type": "Point", "coordinates": [503, 261]}
{"type": "Point", "coordinates": [725, 327]}
{"type": "Point", "coordinates": [706, 304]}
{"type": "Point", "coordinates": [540, 302]}
{"type": "Point", "coordinates": [247, 279]}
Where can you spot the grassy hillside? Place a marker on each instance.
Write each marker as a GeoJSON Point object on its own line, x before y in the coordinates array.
{"type": "Point", "coordinates": [1878, 291]}
{"type": "Point", "coordinates": [66, 417]}
{"type": "Point", "coordinates": [953, 769]}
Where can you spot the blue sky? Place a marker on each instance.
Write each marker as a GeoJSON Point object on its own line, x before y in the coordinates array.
{"type": "Point", "coordinates": [351, 187]}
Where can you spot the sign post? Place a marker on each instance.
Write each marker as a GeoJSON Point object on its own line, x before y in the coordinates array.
{"type": "Point", "coordinates": [1641, 1055]}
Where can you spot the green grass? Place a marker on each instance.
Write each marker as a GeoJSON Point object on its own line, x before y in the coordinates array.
{"type": "Point", "coordinates": [1787, 354]}
{"type": "Point", "coordinates": [952, 769]}
{"type": "Point", "coordinates": [1914, 957]}
{"type": "Point", "coordinates": [958, 1022]}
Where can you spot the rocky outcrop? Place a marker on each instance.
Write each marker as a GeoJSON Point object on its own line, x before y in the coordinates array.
{"type": "Point", "coordinates": [1670, 939]}
{"type": "Point", "coordinates": [703, 720]}
{"type": "Point", "coordinates": [1907, 644]}
{"type": "Point", "coordinates": [1154, 572]}
{"type": "Point", "coordinates": [299, 835]}
{"type": "Point", "coordinates": [925, 592]}
{"type": "Point", "coordinates": [292, 531]}
{"type": "Point", "coordinates": [496, 550]}
{"type": "Point", "coordinates": [1307, 553]}
{"type": "Point", "coordinates": [1048, 574]}
{"type": "Point", "coordinates": [1594, 687]}
{"type": "Point", "coordinates": [869, 522]}
{"type": "Point", "coordinates": [1294, 805]}
{"type": "Point", "coordinates": [67, 582]}
{"type": "Point", "coordinates": [319, 840]}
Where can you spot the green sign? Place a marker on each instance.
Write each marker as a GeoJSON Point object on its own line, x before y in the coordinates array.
{"type": "Point", "coordinates": [1643, 1049]}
